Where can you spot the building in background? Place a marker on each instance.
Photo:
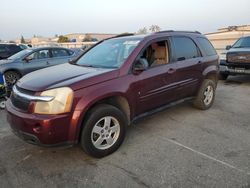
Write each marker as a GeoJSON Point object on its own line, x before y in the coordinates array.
{"type": "Point", "coordinates": [79, 37]}
{"type": "Point", "coordinates": [227, 36]}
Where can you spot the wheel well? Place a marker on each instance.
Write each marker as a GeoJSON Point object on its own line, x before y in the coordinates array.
{"type": "Point", "coordinates": [117, 101]}
{"type": "Point", "coordinates": [14, 70]}
{"type": "Point", "coordinates": [213, 77]}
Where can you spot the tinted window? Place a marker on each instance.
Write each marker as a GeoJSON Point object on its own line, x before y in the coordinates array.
{"type": "Point", "coordinates": [59, 53]}
{"type": "Point", "coordinates": [207, 46]}
{"type": "Point", "coordinates": [2, 49]}
{"type": "Point", "coordinates": [14, 48]}
{"type": "Point", "coordinates": [184, 48]}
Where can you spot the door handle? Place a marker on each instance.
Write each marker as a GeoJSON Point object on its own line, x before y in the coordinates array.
{"type": "Point", "coordinates": [171, 70]}
{"type": "Point", "coordinates": [47, 63]}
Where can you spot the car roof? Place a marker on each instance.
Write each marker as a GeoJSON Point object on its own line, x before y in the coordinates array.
{"type": "Point", "coordinates": [158, 34]}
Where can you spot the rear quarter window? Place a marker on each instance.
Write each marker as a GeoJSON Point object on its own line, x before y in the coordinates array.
{"type": "Point", "coordinates": [207, 46]}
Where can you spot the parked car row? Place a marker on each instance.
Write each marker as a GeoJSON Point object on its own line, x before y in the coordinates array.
{"type": "Point", "coordinates": [93, 99]}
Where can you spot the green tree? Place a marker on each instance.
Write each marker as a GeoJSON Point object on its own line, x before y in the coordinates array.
{"type": "Point", "coordinates": [63, 39]}
{"type": "Point", "coordinates": [87, 38]}
{"type": "Point", "coordinates": [22, 40]}
{"type": "Point", "coordinates": [142, 31]}
{"type": "Point", "coordinates": [154, 28]}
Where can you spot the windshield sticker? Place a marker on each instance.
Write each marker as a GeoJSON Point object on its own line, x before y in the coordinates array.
{"type": "Point", "coordinates": [135, 42]}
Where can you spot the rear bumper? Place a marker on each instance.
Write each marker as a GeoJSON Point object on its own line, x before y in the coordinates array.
{"type": "Point", "coordinates": [41, 130]}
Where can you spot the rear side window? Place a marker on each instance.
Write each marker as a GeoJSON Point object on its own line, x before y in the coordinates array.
{"type": "Point", "coordinates": [184, 48]}
{"type": "Point", "coordinates": [207, 46]}
{"type": "Point", "coordinates": [59, 53]}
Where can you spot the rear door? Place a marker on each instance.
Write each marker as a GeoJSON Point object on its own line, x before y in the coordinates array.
{"type": "Point", "coordinates": [38, 60]}
{"type": "Point", "coordinates": [60, 56]}
{"type": "Point", "coordinates": [188, 60]}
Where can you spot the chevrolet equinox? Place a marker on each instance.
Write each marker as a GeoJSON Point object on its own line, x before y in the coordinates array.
{"type": "Point", "coordinates": [92, 100]}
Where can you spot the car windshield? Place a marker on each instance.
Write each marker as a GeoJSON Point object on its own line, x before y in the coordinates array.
{"type": "Point", "coordinates": [242, 43]}
{"type": "Point", "coordinates": [109, 54]}
{"type": "Point", "coordinates": [20, 54]}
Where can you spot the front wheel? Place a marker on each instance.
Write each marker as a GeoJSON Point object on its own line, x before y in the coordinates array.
{"type": "Point", "coordinates": [11, 77]}
{"type": "Point", "coordinates": [206, 95]}
{"type": "Point", "coordinates": [104, 131]}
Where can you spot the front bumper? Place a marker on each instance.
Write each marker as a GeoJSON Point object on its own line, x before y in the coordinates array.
{"type": "Point", "coordinates": [43, 130]}
{"type": "Point", "coordinates": [233, 70]}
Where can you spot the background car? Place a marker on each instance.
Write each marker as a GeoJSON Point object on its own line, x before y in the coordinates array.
{"type": "Point", "coordinates": [7, 50]}
{"type": "Point", "coordinates": [237, 59]}
{"type": "Point", "coordinates": [33, 59]}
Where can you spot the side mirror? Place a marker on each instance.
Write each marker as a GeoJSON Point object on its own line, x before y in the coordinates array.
{"type": "Point", "coordinates": [28, 58]}
{"type": "Point", "coordinates": [228, 47]}
{"type": "Point", "coordinates": [140, 65]}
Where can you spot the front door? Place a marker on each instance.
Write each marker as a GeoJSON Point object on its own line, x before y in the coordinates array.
{"type": "Point", "coordinates": [37, 60]}
{"type": "Point", "coordinates": [156, 86]}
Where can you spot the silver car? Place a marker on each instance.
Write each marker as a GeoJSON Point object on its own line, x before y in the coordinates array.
{"type": "Point", "coordinates": [33, 59]}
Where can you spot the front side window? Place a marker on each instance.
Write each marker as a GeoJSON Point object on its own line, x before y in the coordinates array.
{"type": "Point", "coordinates": [42, 54]}
{"type": "Point", "coordinates": [184, 48]}
{"type": "Point", "coordinates": [109, 54]}
{"type": "Point", "coordinates": [242, 43]}
{"type": "Point", "coordinates": [59, 53]}
{"type": "Point", "coordinates": [156, 54]}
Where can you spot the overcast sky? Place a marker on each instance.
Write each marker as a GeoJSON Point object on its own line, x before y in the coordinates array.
{"type": "Point", "coordinates": [50, 17]}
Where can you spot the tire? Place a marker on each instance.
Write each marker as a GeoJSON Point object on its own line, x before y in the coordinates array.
{"type": "Point", "coordinates": [206, 95]}
{"type": "Point", "coordinates": [11, 77]}
{"type": "Point", "coordinates": [96, 135]}
{"type": "Point", "coordinates": [223, 76]}
{"type": "Point", "coordinates": [2, 104]}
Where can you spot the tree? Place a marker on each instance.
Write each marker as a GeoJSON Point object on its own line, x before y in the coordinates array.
{"type": "Point", "coordinates": [63, 39]}
{"type": "Point", "coordinates": [22, 40]}
{"type": "Point", "coordinates": [87, 38]}
{"type": "Point", "coordinates": [142, 31]}
{"type": "Point", "coordinates": [154, 28]}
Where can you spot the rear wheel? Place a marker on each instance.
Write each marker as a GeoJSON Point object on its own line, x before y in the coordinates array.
{"type": "Point", "coordinates": [104, 131]}
{"type": "Point", "coordinates": [206, 95]}
{"type": "Point", "coordinates": [11, 77]}
{"type": "Point", "coordinates": [223, 76]}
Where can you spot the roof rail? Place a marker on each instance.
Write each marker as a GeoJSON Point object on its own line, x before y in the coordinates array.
{"type": "Point", "coordinates": [167, 31]}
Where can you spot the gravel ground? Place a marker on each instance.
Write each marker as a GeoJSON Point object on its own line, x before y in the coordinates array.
{"type": "Point", "coordinates": [179, 147]}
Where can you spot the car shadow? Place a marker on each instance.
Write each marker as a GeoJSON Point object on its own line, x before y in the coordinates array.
{"type": "Point", "coordinates": [242, 79]}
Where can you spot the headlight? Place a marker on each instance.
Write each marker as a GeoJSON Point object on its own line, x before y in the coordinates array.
{"type": "Point", "coordinates": [61, 103]}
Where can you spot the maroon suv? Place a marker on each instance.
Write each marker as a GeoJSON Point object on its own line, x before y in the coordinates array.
{"type": "Point", "coordinates": [92, 100]}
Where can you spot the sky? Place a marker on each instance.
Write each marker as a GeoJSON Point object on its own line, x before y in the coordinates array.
{"type": "Point", "coordinates": [50, 17]}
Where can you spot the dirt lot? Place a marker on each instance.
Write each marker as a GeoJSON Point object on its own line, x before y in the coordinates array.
{"type": "Point", "coordinates": [180, 147]}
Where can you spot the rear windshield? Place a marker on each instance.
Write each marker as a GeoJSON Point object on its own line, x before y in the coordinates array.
{"type": "Point", "coordinates": [242, 43]}
{"type": "Point", "coordinates": [109, 54]}
{"type": "Point", "coordinates": [207, 46]}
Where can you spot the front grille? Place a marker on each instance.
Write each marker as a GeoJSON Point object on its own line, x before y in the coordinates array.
{"type": "Point", "coordinates": [21, 103]}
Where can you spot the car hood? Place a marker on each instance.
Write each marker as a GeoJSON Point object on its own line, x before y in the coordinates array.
{"type": "Point", "coordinates": [239, 50]}
{"type": "Point", "coordinates": [63, 75]}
